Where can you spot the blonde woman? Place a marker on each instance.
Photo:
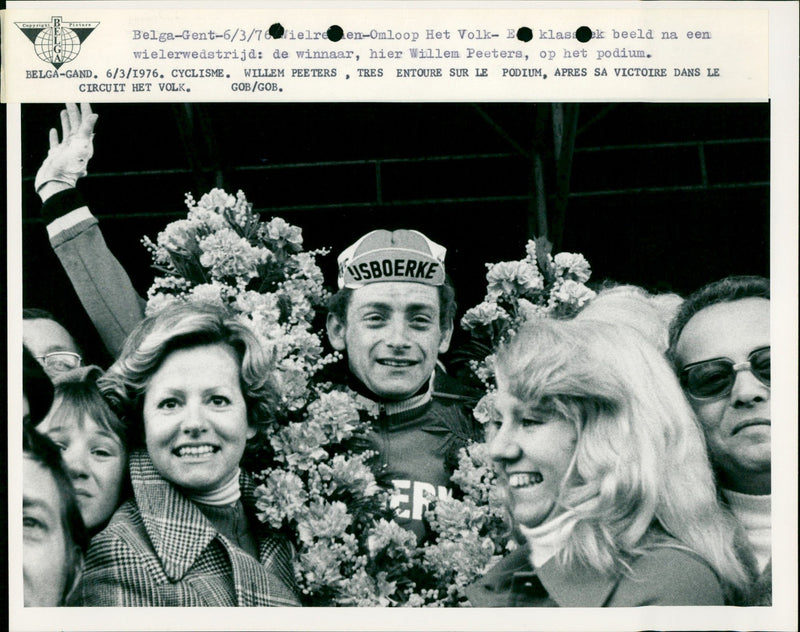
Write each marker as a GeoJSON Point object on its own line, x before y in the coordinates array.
{"type": "Point", "coordinates": [606, 476]}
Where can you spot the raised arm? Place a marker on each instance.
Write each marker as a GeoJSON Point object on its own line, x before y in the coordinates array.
{"type": "Point", "coordinates": [100, 281]}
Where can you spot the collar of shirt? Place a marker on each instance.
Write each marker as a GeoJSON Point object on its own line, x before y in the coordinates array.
{"type": "Point", "coordinates": [548, 538]}
{"type": "Point", "coordinates": [377, 404]}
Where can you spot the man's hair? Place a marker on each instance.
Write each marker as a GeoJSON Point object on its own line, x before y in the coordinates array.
{"type": "Point", "coordinates": [187, 326]}
{"type": "Point", "coordinates": [36, 386]}
{"type": "Point", "coordinates": [34, 313]}
{"type": "Point", "coordinates": [640, 468]}
{"type": "Point", "coordinates": [340, 301]}
{"type": "Point", "coordinates": [729, 289]}
{"type": "Point", "coordinates": [42, 450]}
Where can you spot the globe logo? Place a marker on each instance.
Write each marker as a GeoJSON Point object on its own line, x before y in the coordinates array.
{"type": "Point", "coordinates": [57, 45]}
{"type": "Point", "coordinates": [57, 42]}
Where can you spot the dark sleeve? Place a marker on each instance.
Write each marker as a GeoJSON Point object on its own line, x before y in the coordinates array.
{"type": "Point", "coordinates": [101, 283]}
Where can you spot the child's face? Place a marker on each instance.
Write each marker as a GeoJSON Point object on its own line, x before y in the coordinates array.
{"type": "Point", "coordinates": [95, 459]}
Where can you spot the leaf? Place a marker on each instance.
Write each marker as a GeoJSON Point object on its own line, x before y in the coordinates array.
{"type": "Point", "coordinates": [189, 268]}
{"type": "Point", "coordinates": [456, 431]}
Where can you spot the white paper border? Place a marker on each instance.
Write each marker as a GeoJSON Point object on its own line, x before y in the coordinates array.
{"type": "Point", "coordinates": [783, 90]}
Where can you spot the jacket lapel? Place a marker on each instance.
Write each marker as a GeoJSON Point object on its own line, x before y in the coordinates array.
{"type": "Point", "coordinates": [494, 588]}
{"type": "Point", "coordinates": [177, 529]}
{"type": "Point", "coordinates": [581, 587]}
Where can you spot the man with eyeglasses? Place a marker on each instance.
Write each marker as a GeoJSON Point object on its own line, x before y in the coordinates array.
{"type": "Point", "coordinates": [49, 342]}
{"type": "Point", "coordinates": [720, 348]}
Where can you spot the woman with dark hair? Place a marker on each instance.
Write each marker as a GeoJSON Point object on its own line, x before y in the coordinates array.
{"type": "Point", "coordinates": [194, 384]}
{"type": "Point", "coordinates": [606, 476]}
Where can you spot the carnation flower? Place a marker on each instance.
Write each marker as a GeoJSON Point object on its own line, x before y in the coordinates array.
{"type": "Point", "coordinates": [451, 517]}
{"type": "Point", "coordinates": [303, 265]}
{"type": "Point", "coordinates": [283, 234]}
{"type": "Point", "coordinates": [323, 520]}
{"type": "Point", "coordinates": [389, 534]}
{"type": "Point", "coordinates": [206, 220]}
{"type": "Point", "coordinates": [483, 314]}
{"type": "Point", "coordinates": [570, 293]}
{"type": "Point", "coordinates": [364, 591]}
{"type": "Point", "coordinates": [226, 254]}
{"type": "Point", "coordinates": [295, 292]}
{"type": "Point", "coordinates": [211, 293]}
{"type": "Point", "coordinates": [484, 410]}
{"type": "Point", "coordinates": [293, 384]}
{"type": "Point", "coordinates": [512, 278]}
{"type": "Point", "coordinates": [337, 414]}
{"type": "Point", "coordinates": [157, 302]}
{"type": "Point", "coordinates": [179, 237]}
{"type": "Point", "coordinates": [304, 344]}
{"type": "Point", "coordinates": [318, 567]}
{"type": "Point", "coordinates": [266, 305]}
{"type": "Point", "coordinates": [280, 498]}
{"type": "Point", "coordinates": [300, 444]}
{"type": "Point", "coordinates": [462, 560]}
{"type": "Point", "coordinates": [216, 200]}
{"type": "Point", "coordinates": [349, 473]}
{"type": "Point", "coordinates": [571, 265]}
{"type": "Point", "coordinates": [476, 477]}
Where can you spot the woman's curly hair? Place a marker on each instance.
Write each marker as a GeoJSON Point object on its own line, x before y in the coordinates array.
{"type": "Point", "coordinates": [186, 326]}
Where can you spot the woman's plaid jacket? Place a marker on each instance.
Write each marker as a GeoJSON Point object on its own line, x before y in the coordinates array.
{"type": "Point", "coordinates": [160, 550]}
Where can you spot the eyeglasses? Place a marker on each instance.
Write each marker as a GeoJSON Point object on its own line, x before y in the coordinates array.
{"type": "Point", "coordinates": [60, 361]}
{"type": "Point", "coordinates": [714, 379]}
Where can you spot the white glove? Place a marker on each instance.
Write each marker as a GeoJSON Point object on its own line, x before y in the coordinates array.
{"type": "Point", "coordinates": [67, 160]}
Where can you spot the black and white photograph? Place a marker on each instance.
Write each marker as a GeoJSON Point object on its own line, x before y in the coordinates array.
{"type": "Point", "coordinates": [613, 213]}
{"type": "Point", "coordinates": [400, 354]}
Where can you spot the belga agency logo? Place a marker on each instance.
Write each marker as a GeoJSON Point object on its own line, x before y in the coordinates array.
{"type": "Point", "coordinates": [57, 42]}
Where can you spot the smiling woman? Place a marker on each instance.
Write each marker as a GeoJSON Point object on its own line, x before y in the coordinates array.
{"type": "Point", "coordinates": [605, 477]}
{"type": "Point", "coordinates": [195, 419]}
{"type": "Point", "coordinates": [195, 385]}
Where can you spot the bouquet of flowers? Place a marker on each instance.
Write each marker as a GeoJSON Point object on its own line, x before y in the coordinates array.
{"type": "Point", "coordinates": [539, 285]}
{"type": "Point", "coordinates": [316, 484]}
{"type": "Point", "coordinates": [314, 468]}
{"type": "Point", "coordinates": [471, 529]}
{"type": "Point", "coordinates": [471, 533]}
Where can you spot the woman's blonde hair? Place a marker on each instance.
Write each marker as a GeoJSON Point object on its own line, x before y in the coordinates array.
{"type": "Point", "coordinates": [185, 326]}
{"type": "Point", "coordinates": [640, 471]}
{"type": "Point", "coordinates": [631, 305]}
